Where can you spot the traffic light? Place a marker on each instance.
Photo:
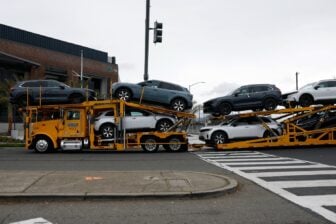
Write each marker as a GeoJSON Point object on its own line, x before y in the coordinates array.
{"type": "Point", "coordinates": [157, 32]}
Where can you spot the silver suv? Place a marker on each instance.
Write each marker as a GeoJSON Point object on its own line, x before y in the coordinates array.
{"type": "Point", "coordinates": [134, 120]}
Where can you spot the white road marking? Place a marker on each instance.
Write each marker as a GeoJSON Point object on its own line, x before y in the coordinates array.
{"type": "Point", "coordinates": [305, 183]}
{"type": "Point", "coordinates": [314, 203]}
{"type": "Point", "coordinates": [294, 173]}
{"type": "Point", "coordinates": [286, 167]}
{"type": "Point", "coordinates": [267, 162]}
{"type": "Point", "coordinates": [33, 221]}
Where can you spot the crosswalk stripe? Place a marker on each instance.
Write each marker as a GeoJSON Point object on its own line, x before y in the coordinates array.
{"type": "Point", "coordinates": [250, 159]}
{"type": "Point", "coordinates": [281, 167]}
{"type": "Point", "coordinates": [304, 183]}
{"type": "Point", "coordinates": [294, 173]}
{"type": "Point", "coordinates": [267, 162]}
{"type": "Point", "coordinates": [238, 157]}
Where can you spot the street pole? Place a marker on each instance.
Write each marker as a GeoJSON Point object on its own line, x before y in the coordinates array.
{"type": "Point", "coordinates": [297, 80]}
{"type": "Point", "coordinates": [81, 70]}
{"type": "Point", "coordinates": [146, 39]}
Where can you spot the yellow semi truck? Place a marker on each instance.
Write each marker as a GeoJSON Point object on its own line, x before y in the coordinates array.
{"type": "Point", "coordinates": [71, 127]}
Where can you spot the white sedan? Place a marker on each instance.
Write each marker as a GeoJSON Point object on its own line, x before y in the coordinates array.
{"type": "Point", "coordinates": [239, 128]}
{"type": "Point", "coordinates": [134, 120]}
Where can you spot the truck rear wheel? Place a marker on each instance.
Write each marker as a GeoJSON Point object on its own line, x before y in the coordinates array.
{"type": "Point", "coordinates": [43, 145]}
{"type": "Point", "coordinates": [149, 144]}
{"type": "Point", "coordinates": [174, 144]}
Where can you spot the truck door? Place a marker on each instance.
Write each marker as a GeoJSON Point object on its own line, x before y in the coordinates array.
{"type": "Point", "coordinates": [74, 123]}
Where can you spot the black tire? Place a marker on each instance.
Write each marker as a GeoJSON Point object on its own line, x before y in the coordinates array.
{"type": "Point", "coordinates": [270, 104]}
{"type": "Point", "coordinates": [43, 144]}
{"type": "Point", "coordinates": [163, 125]}
{"type": "Point", "coordinates": [225, 108]}
{"type": "Point", "coordinates": [178, 104]}
{"type": "Point", "coordinates": [124, 94]}
{"type": "Point", "coordinates": [107, 131]}
{"type": "Point", "coordinates": [174, 144]}
{"type": "Point", "coordinates": [306, 100]}
{"type": "Point", "coordinates": [76, 98]}
{"type": "Point", "coordinates": [257, 109]}
{"type": "Point", "coordinates": [149, 144]}
{"type": "Point", "coordinates": [268, 134]}
{"type": "Point", "coordinates": [219, 137]}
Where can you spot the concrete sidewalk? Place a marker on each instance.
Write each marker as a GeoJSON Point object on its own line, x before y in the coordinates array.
{"type": "Point", "coordinates": [109, 184]}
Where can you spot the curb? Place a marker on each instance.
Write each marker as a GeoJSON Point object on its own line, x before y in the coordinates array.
{"type": "Point", "coordinates": [231, 187]}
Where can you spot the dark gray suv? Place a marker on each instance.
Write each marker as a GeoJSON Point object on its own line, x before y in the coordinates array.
{"type": "Point", "coordinates": [50, 92]}
{"type": "Point", "coordinates": [249, 97]}
{"type": "Point", "coordinates": [154, 91]}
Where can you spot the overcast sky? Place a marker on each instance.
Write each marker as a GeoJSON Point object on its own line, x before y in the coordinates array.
{"type": "Point", "coordinates": [224, 43]}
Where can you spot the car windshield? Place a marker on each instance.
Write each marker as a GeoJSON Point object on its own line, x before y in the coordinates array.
{"type": "Point", "coordinates": [228, 121]}
{"type": "Point", "coordinates": [308, 85]}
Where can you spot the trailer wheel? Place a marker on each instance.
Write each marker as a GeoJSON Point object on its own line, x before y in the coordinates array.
{"type": "Point", "coordinates": [43, 144]}
{"type": "Point", "coordinates": [149, 144]}
{"type": "Point", "coordinates": [173, 145]}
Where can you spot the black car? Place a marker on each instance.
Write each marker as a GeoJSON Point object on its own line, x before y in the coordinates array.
{"type": "Point", "coordinates": [248, 97]}
{"type": "Point", "coordinates": [318, 120]}
{"type": "Point", "coordinates": [49, 91]}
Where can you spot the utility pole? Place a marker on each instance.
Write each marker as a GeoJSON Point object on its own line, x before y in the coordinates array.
{"type": "Point", "coordinates": [146, 39]}
{"type": "Point", "coordinates": [297, 80]}
{"type": "Point", "coordinates": [81, 70]}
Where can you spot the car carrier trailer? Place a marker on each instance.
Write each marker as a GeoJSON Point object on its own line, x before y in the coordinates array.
{"type": "Point", "coordinates": [293, 135]}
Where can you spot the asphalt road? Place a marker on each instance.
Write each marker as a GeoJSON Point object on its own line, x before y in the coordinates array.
{"type": "Point", "coordinates": [250, 204]}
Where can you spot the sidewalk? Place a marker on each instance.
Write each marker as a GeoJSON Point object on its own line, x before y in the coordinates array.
{"type": "Point", "coordinates": [110, 184]}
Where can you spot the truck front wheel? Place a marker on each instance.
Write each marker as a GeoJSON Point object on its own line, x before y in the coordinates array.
{"type": "Point", "coordinates": [43, 145]}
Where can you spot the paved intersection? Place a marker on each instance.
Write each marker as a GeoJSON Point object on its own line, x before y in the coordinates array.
{"type": "Point", "coordinates": [308, 184]}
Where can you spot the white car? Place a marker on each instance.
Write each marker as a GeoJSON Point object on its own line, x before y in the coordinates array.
{"type": "Point", "coordinates": [321, 92]}
{"type": "Point", "coordinates": [134, 120]}
{"type": "Point", "coordinates": [239, 128]}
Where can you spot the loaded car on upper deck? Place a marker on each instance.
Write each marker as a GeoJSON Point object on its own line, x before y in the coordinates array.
{"type": "Point", "coordinates": [248, 97]}
{"type": "Point", "coordinates": [48, 92]}
{"type": "Point", "coordinates": [321, 92]}
{"type": "Point", "coordinates": [168, 94]}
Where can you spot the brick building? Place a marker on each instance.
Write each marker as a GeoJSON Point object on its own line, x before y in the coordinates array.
{"type": "Point", "coordinates": [27, 55]}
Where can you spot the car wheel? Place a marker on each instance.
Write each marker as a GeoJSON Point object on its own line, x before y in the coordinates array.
{"type": "Point", "coordinates": [178, 104]}
{"type": "Point", "coordinates": [257, 109]}
{"type": "Point", "coordinates": [123, 94]}
{"type": "Point", "coordinates": [107, 131]}
{"type": "Point", "coordinates": [225, 108]}
{"type": "Point", "coordinates": [149, 144]}
{"type": "Point", "coordinates": [43, 144]}
{"type": "Point", "coordinates": [173, 145]}
{"type": "Point", "coordinates": [270, 104]}
{"type": "Point", "coordinates": [306, 100]}
{"type": "Point", "coordinates": [76, 98]}
{"type": "Point", "coordinates": [268, 134]}
{"type": "Point", "coordinates": [219, 137]}
{"type": "Point", "coordinates": [163, 125]}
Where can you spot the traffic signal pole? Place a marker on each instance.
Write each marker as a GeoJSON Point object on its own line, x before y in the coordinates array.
{"type": "Point", "coordinates": [146, 39]}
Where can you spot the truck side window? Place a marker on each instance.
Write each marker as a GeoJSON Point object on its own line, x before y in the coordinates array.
{"type": "Point", "coordinates": [73, 115]}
